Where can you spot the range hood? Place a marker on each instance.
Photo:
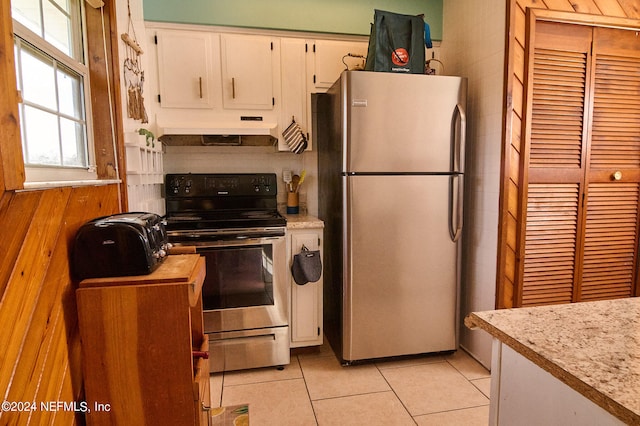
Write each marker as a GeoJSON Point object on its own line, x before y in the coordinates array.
{"type": "Point", "coordinates": [238, 128]}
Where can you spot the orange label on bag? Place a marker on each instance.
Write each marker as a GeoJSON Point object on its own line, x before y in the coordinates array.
{"type": "Point", "coordinates": [400, 56]}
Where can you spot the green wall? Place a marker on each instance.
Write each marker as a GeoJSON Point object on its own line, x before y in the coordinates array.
{"type": "Point", "coordinates": [328, 16]}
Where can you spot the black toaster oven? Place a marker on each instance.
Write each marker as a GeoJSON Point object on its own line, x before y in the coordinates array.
{"type": "Point", "coordinates": [119, 245]}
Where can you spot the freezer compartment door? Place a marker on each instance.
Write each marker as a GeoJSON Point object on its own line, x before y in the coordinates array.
{"type": "Point", "coordinates": [404, 123]}
{"type": "Point", "coordinates": [400, 267]}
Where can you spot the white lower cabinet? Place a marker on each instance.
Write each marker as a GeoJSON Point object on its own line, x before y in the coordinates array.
{"type": "Point", "coordinates": [522, 393]}
{"type": "Point", "coordinates": [306, 300]}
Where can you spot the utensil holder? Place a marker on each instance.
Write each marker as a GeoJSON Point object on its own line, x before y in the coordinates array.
{"type": "Point", "coordinates": [293, 203]}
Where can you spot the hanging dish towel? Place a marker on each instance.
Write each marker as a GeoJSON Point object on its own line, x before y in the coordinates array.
{"type": "Point", "coordinates": [307, 266]}
{"type": "Point", "coordinates": [295, 138]}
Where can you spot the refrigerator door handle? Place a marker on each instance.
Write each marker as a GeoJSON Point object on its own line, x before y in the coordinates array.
{"type": "Point", "coordinates": [456, 180]}
{"type": "Point", "coordinates": [458, 138]}
{"type": "Point", "coordinates": [456, 189]}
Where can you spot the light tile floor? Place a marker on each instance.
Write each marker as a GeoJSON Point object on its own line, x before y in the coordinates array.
{"type": "Point", "coordinates": [316, 390]}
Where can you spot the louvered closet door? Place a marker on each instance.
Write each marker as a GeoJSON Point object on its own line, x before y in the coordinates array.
{"type": "Point", "coordinates": [582, 162]}
{"type": "Point", "coordinates": [611, 225]}
{"type": "Point", "coordinates": [557, 83]}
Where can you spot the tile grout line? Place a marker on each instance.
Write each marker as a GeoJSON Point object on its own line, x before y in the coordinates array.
{"type": "Point", "coordinates": [315, 416]}
{"type": "Point", "coordinates": [394, 392]}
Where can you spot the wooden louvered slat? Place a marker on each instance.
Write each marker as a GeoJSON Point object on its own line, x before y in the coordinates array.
{"type": "Point", "coordinates": [557, 108]}
{"type": "Point", "coordinates": [610, 241]}
{"type": "Point", "coordinates": [550, 247]}
{"type": "Point", "coordinates": [616, 113]}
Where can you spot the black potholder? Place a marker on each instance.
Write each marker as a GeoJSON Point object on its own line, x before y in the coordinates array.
{"type": "Point", "coordinates": [307, 266]}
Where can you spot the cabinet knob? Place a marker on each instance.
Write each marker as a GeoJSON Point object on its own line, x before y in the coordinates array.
{"type": "Point", "coordinates": [616, 175]}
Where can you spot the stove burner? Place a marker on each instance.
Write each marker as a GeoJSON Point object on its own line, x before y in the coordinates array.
{"type": "Point", "coordinates": [197, 204]}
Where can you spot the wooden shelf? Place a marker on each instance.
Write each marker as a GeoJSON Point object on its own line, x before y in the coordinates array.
{"type": "Point", "coordinates": [138, 336]}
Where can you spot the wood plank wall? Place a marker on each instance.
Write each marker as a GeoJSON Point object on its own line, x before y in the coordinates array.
{"type": "Point", "coordinates": [40, 349]}
{"type": "Point", "coordinates": [511, 213]}
{"type": "Point", "coordinates": [40, 360]}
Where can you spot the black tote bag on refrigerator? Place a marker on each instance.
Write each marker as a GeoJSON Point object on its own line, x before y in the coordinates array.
{"type": "Point", "coordinates": [396, 43]}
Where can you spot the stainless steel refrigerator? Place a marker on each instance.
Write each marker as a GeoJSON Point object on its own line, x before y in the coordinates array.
{"type": "Point", "coordinates": [391, 179]}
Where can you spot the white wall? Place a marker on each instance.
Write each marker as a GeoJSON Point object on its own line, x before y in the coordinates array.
{"type": "Point", "coordinates": [473, 47]}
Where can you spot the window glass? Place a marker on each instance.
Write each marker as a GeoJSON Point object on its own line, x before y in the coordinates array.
{"type": "Point", "coordinates": [72, 136]}
{"type": "Point", "coordinates": [70, 93]}
{"type": "Point", "coordinates": [53, 82]}
{"type": "Point", "coordinates": [57, 27]}
{"type": "Point", "coordinates": [39, 128]}
{"type": "Point", "coordinates": [38, 78]}
{"type": "Point", "coordinates": [27, 12]}
{"type": "Point", "coordinates": [52, 20]}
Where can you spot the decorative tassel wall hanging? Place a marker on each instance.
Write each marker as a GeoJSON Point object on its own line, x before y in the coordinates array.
{"type": "Point", "coordinates": [133, 73]}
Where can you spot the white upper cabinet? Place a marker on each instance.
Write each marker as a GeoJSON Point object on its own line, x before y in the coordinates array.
{"type": "Point", "coordinates": [187, 65]}
{"type": "Point", "coordinates": [294, 103]}
{"type": "Point", "coordinates": [329, 58]}
{"type": "Point", "coordinates": [248, 71]}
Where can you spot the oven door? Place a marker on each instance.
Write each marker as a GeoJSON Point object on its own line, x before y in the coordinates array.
{"type": "Point", "coordinates": [245, 287]}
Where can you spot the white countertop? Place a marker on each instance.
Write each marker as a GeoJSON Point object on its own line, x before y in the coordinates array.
{"type": "Point", "coordinates": [593, 347]}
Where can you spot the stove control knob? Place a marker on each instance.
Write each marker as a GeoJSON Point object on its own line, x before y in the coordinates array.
{"type": "Point", "coordinates": [257, 188]}
{"type": "Point", "coordinates": [267, 188]}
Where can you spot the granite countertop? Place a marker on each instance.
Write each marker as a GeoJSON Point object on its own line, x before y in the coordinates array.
{"type": "Point", "coordinates": [593, 347]}
{"type": "Point", "coordinates": [295, 221]}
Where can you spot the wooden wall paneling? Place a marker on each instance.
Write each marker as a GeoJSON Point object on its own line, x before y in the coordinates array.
{"type": "Point", "coordinates": [67, 393]}
{"type": "Point", "coordinates": [43, 320]}
{"type": "Point", "coordinates": [42, 356]}
{"type": "Point", "coordinates": [27, 277]}
{"type": "Point", "coordinates": [16, 212]}
{"type": "Point", "coordinates": [586, 6]}
{"type": "Point", "coordinates": [11, 162]}
{"type": "Point", "coordinates": [519, 25]}
{"type": "Point", "coordinates": [631, 8]}
{"type": "Point", "coordinates": [518, 62]}
{"type": "Point", "coordinates": [505, 166]}
{"type": "Point", "coordinates": [610, 8]}
{"type": "Point", "coordinates": [559, 5]}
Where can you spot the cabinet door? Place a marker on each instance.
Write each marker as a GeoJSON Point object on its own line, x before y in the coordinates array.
{"type": "Point", "coordinates": [294, 86]}
{"type": "Point", "coordinates": [582, 183]}
{"type": "Point", "coordinates": [247, 72]}
{"type": "Point", "coordinates": [186, 68]}
{"type": "Point", "coordinates": [330, 57]}
{"type": "Point", "coordinates": [306, 300]}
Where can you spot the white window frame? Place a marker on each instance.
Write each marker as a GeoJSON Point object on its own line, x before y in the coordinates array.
{"type": "Point", "coordinates": [36, 174]}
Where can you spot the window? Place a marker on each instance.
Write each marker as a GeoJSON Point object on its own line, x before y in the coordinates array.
{"type": "Point", "coordinates": [54, 84]}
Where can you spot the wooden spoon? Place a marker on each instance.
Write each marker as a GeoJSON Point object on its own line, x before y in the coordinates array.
{"type": "Point", "coordinates": [295, 180]}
